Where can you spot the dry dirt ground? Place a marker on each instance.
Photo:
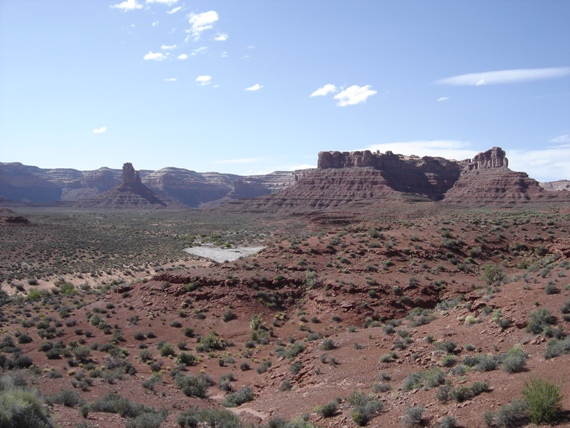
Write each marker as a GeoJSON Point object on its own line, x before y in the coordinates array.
{"type": "Point", "coordinates": [449, 312]}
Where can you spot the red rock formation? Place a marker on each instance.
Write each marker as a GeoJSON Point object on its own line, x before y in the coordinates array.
{"type": "Point", "coordinates": [493, 158]}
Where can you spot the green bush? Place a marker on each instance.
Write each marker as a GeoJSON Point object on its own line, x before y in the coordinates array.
{"type": "Point", "coordinates": [209, 418]}
{"type": "Point", "coordinates": [413, 417]}
{"type": "Point", "coordinates": [22, 407]}
{"type": "Point", "coordinates": [539, 321]}
{"type": "Point", "coordinates": [327, 410]}
{"type": "Point", "coordinates": [67, 397]}
{"type": "Point", "coordinates": [493, 274]}
{"type": "Point", "coordinates": [543, 400]}
{"type": "Point", "coordinates": [237, 398]}
{"type": "Point", "coordinates": [193, 386]}
{"type": "Point", "coordinates": [556, 347]}
{"type": "Point", "coordinates": [147, 420]}
{"type": "Point", "coordinates": [514, 360]}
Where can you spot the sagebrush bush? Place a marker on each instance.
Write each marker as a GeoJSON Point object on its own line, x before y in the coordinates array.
{"type": "Point", "coordinates": [514, 360]}
{"type": "Point", "coordinates": [237, 398]}
{"type": "Point", "coordinates": [539, 321]}
{"type": "Point", "coordinates": [195, 417]}
{"type": "Point", "coordinates": [327, 410]}
{"type": "Point", "coordinates": [413, 417]}
{"type": "Point", "coordinates": [22, 407]}
{"type": "Point", "coordinates": [193, 386]}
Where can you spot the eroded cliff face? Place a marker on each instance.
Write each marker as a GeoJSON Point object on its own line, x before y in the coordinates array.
{"type": "Point", "coordinates": [427, 176]}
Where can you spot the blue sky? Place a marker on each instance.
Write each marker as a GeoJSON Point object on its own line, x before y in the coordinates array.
{"type": "Point", "coordinates": [250, 87]}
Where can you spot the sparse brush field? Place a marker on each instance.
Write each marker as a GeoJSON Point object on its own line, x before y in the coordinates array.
{"type": "Point", "coordinates": [444, 319]}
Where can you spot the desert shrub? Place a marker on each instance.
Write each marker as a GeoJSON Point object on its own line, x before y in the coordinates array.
{"type": "Point", "coordinates": [147, 420]}
{"type": "Point", "coordinates": [114, 403]}
{"type": "Point", "coordinates": [447, 346]}
{"type": "Point", "coordinates": [565, 308]}
{"type": "Point", "coordinates": [539, 321]}
{"type": "Point", "coordinates": [428, 379]}
{"type": "Point", "coordinates": [237, 398]}
{"type": "Point", "coordinates": [493, 274]}
{"type": "Point", "coordinates": [294, 350]}
{"type": "Point", "coordinates": [556, 347]}
{"type": "Point", "coordinates": [543, 400]}
{"type": "Point", "coordinates": [464, 393]}
{"type": "Point", "coordinates": [208, 418]}
{"type": "Point", "coordinates": [514, 360]}
{"type": "Point", "coordinates": [228, 315]}
{"type": "Point", "coordinates": [67, 398]}
{"type": "Point", "coordinates": [166, 349]}
{"type": "Point", "coordinates": [22, 407]}
{"type": "Point", "coordinates": [210, 342]}
{"type": "Point", "coordinates": [551, 288]}
{"type": "Point", "coordinates": [24, 338]}
{"type": "Point", "coordinates": [264, 367]}
{"type": "Point", "coordinates": [193, 386]}
{"type": "Point", "coordinates": [327, 410]}
{"type": "Point", "coordinates": [510, 415]}
{"type": "Point", "coordinates": [186, 358]}
{"type": "Point", "coordinates": [413, 417]}
{"type": "Point", "coordinates": [448, 422]}
{"type": "Point", "coordinates": [328, 345]}
{"type": "Point", "coordinates": [151, 382]}
{"type": "Point", "coordinates": [449, 361]}
{"type": "Point", "coordinates": [488, 363]}
{"type": "Point", "coordinates": [381, 387]}
{"type": "Point", "coordinates": [443, 393]}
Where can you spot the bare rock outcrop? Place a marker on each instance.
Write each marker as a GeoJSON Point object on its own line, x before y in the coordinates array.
{"type": "Point", "coordinates": [492, 158]}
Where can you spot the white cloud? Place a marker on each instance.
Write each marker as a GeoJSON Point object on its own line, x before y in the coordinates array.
{"type": "Point", "coordinates": [182, 56]}
{"type": "Point", "coordinates": [221, 37]}
{"type": "Point", "coordinates": [202, 22]}
{"type": "Point", "coordinates": [199, 51]}
{"type": "Point", "coordinates": [564, 138]}
{"type": "Point", "coordinates": [354, 95]}
{"type": "Point", "coordinates": [545, 164]}
{"type": "Point", "coordinates": [174, 10]}
{"type": "Point", "coordinates": [449, 149]}
{"type": "Point", "coordinates": [101, 130]}
{"type": "Point", "coordinates": [254, 88]}
{"type": "Point", "coordinates": [155, 24]}
{"type": "Point", "coordinates": [127, 5]}
{"type": "Point", "coordinates": [325, 90]}
{"type": "Point", "coordinates": [170, 79]}
{"type": "Point", "coordinates": [204, 80]}
{"type": "Point", "coordinates": [505, 76]}
{"type": "Point", "coordinates": [166, 2]}
{"type": "Point", "coordinates": [155, 56]}
{"type": "Point", "coordinates": [443, 99]}
{"type": "Point", "coordinates": [168, 47]}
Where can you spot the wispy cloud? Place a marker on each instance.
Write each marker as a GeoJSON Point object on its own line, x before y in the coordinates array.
{"type": "Point", "coordinates": [170, 79]}
{"type": "Point", "coordinates": [182, 56]}
{"type": "Point", "coordinates": [201, 22]}
{"type": "Point", "coordinates": [127, 5]}
{"type": "Point", "coordinates": [155, 56]}
{"type": "Point", "coordinates": [254, 88]}
{"type": "Point", "coordinates": [166, 2]}
{"type": "Point", "coordinates": [564, 138]}
{"type": "Point", "coordinates": [168, 47]}
{"type": "Point", "coordinates": [242, 160]}
{"type": "Point", "coordinates": [101, 130]}
{"type": "Point", "coordinates": [174, 10]}
{"type": "Point", "coordinates": [325, 90]}
{"type": "Point", "coordinates": [545, 164]}
{"type": "Point", "coordinates": [354, 95]}
{"type": "Point", "coordinates": [505, 76]}
{"type": "Point", "coordinates": [449, 149]}
{"type": "Point", "coordinates": [199, 51]}
{"type": "Point", "coordinates": [204, 80]}
{"type": "Point", "coordinates": [440, 99]}
{"type": "Point", "coordinates": [221, 37]}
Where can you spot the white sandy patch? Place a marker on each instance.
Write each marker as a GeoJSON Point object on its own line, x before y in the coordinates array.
{"type": "Point", "coordinates": [221, 255]}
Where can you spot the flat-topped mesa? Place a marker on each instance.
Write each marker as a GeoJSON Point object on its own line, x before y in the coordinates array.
{"type": "Point", "coordinates": [492, 158]}
{"type": "Point", "coordinates": [130, 176]}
